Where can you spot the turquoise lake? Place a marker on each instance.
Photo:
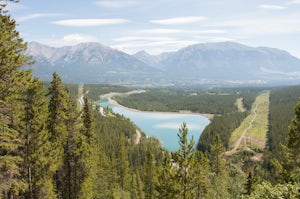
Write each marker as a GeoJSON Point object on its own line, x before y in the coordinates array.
{"type": "Point", "coordinates": [163, 126]}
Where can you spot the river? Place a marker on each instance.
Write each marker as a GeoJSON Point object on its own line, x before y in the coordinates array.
{"type": "Point", "coordinates": [161, 125]}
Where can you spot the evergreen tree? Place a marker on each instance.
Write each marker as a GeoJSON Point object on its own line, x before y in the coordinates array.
{"type": "Point", "coordinates": [236, 182]}
{"type": "Point", "coordinates": [36, 142]}
{"type": "Point", "coordinates": [184, 159]}
{"type": "Point", "coordinates": [90, 153]}
{"type": "Point", "coordinates": [72, 172]}
{"type": "Point", "coordinates": [292, 147]}
{"type": "Point", "coordinates": [57, 128]}
{"type": "Point", "coordinates": [202, 176]}
{"type": "Point", "coordinates": [88, 123]}
{"type": "Point", "coordinates": [12, 57]}
{"type": "Point", "coordinates": [122, 163]}
{"type": "Point", "coordinates": [287, 168]}
{"type": "Point", "coordinates": [219, 171]}
{"type": "Point", "coordinates": [167, 186]}
{"type": "Point", "coordinates": [249, 184]}
{"type": "Point", "coordinates": [136, 186]}
{"type": "Point", "coordinates": [150, 176]}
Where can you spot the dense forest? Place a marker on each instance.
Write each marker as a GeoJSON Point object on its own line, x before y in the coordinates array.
{"type": "Point", "coordinates": [282, 102]}
{"type": "Point", "coordinates": [52, 148]}
{"type": "Point", "coordinates": [195, 100]}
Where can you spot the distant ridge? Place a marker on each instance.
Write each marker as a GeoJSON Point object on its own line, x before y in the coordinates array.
{"type": "Point", "coordinates": [226, 63]}
{"type": "Point", "coordinates": [89, 63]}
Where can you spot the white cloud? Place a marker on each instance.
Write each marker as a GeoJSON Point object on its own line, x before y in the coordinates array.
{"type": "Point", "coordinates": [272, 7]}
{"type": "Point", "coordinates": [90, 22]}
{"type": "Point", "coordinates": [78, 38]}
{"type": "Point", "coordinates": [161, 31]}
{"type": "Point", "coordinates": [72, 39]}
{"type": "Point", "coordinates": [14, 6]}
{"type": "Point", "coordinates": [115, 4]}
{"type": "Point", "coordinates": [138, 38]}
{"type": "Point", "coordinates": [179, 20]}
{"type": "Point", "coordinates": [153, 47]}
{"type": "Point", "coordinates": [215, 39]}
{"type": "Point", "coordinates": [216, 31]}
{"type": "Point", "coordinates": [37, 15]}
{"type": "Point", "coordinates": [293, 2]}
{"type": "Point", "coordinates": [279, 24]}
{"type": "Point", "coordinates": [175, 31]}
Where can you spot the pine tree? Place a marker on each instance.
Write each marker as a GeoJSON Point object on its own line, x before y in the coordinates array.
{"type": "Point", "coordinates": [11, 59]}
{"type": "Point", "coordinates": [287, 167]}
{"type": "Point", "coordinates": [57, 128]}
{"type": "Point", "coordinates": [89, 158]}
{"type": "Point", "coordinates": [36, 142]}
{"type": "Point", "coordinates": [150, 176]}
{"type": "Point", "coordinates": [202, 176]}
{"type": "Point", "coordinates": [136, 186]}
{"type": "Point", "coordinates": [122, 163]}
{"type": "Point", "coordinates": [184, 159]}
{"type": "Point", "coordinates": [249, 184]}
{"type": "Point", "coordinates": [167, 185]}
{"type": "Point", "coordinates": [88, 123]}
{"type": "Point", "coordinates": [72, 171]}
{"type": "Point", "coordinates": [218, 169]}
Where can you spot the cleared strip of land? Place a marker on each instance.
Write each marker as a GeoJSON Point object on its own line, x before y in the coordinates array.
{"type": "Point", "coordinates": [239, 104]}
{"type": "Point", "coordinates": [251, 134]}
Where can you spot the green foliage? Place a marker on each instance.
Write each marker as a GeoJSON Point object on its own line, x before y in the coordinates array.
{"type": "Point", "coordinates": [180, 99]}
{"type": "Point", "coordinates": [167, 186]}
{"type": "Point", "coordinates": [281, 113]}
{"type": "Point", "coordinates": [12, 57]}
{"type": "Point", "coordinates": [36, 142]}
{"type": "Point", "coordinates": [48, 149]}
{"type": "Point", "coordinates": [220, 176]}
{"type": "Point", "coordinates": [202, 176]}
{"type": "Point", "coordinates": [268, 191]}
{"type": "Point", "coordinates": [184, 159]}
{"type": "Point", "coordinates": [223, 126]}
{"type": "Point", "coordinates": [287, 166]}
{"type": "Point", "coordinates": [57, 127]}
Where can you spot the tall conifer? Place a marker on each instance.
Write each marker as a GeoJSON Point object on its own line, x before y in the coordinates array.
{"type": "Point", "coordinates": [218, 169]}
{"type": "Point", "coordinates": [57, 128]}
{"type": "Point", "coordinates": [36, 142]}
{"type": "Point", "coordinates": [71, 172]}
{"type": "Point", "coordinates": [11, 59]}
{"type": "Point", "coordinates": [88, 158]}
{"type": "Point", "coordinates": [287, 168]}
{"type": "Point", "coordinates": [184, 159]}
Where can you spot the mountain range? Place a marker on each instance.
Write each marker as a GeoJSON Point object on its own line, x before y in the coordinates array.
{"type": "Point", "coordinates": [226, 63]}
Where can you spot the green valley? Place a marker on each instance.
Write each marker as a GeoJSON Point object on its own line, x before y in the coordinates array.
{"type": "Point", "coordinates": [57, 142]}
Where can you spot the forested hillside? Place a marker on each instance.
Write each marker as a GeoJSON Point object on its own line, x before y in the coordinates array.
{"type": "Point", "coordinates": [195, 100]}
{"type": "Point", "coordinates": [51, 148]}
{"type": "Point", "coordinates": [282, 102]}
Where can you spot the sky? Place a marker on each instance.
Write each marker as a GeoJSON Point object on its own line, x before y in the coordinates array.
{"type": "Point", "coordinates": [157, 26]}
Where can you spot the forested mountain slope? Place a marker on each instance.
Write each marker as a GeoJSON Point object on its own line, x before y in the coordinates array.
{"type": "Point", "coordinates": [49, 148]}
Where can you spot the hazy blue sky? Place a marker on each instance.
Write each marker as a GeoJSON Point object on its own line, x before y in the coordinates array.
{"type": "Point", "coordinates": [160, 25]}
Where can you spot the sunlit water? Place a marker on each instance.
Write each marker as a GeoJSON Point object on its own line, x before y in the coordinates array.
{"type": "Point", "coordinates": [163, 126]}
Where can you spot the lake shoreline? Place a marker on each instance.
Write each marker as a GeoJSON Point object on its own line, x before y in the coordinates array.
{"type": "Point", "coordinates": [115, 103]}
{"type": "Point", "coordinates": [161, 125]}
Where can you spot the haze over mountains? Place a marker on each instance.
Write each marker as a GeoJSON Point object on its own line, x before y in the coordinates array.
{"type": "Point", "coordinates": [200, 64]}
